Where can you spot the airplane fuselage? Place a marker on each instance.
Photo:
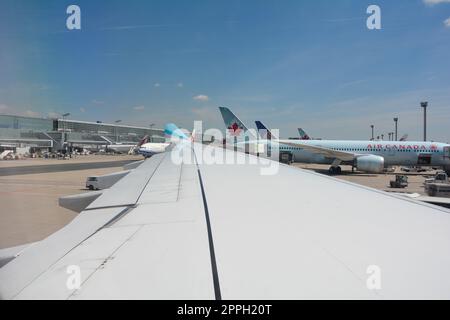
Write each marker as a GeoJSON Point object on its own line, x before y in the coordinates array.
{"type": "Point", "coordinates": [152, 148]}
{"type": "Point", "coordinates": [407, 153]}
{"type": "Point", "coordinates": [120, 148]}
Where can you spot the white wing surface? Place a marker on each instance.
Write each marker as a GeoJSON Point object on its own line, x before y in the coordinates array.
{"type": "Point", "coordinates": [213, 231]}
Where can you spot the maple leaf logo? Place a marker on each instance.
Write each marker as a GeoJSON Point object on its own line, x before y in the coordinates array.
{"type": "Point", "coordinates": [235, 130]}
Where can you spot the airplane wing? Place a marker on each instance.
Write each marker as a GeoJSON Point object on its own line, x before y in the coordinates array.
{"type": "Point", "coordinates": [194, 230]}
{"type": "Point", "coordinates": [329, 153]}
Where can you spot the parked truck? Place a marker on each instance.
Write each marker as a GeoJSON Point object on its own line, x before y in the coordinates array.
{"type": "Point", "coordinates": [105, 181]}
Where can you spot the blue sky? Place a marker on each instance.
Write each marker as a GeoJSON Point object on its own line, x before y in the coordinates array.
{"type": "Point", "coordinates": [294, 63]}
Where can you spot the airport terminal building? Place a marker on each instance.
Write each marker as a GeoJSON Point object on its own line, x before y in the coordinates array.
{"type": "Point", "coordinates": [56, 134]}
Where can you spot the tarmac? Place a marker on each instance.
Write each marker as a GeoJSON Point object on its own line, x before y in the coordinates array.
{"type": "Point", "coordinates": [22, 170]}
{"type": "Point", "coordinates": [29, 202]}
{"type": "Point", "coordinates": [376, 181]}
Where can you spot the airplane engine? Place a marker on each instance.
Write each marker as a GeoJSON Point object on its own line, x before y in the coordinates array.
{"type": "Point", "coordinates": [370, 163]}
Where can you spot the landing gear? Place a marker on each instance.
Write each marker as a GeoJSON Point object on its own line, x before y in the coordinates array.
{"type": "Point", "coordinates": [286, 157]}
{"type": "Point", "coordinates": [335, 170]}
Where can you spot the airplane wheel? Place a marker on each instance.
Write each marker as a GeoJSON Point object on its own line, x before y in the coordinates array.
{"type": "Point", "coordinates": [335, 170]}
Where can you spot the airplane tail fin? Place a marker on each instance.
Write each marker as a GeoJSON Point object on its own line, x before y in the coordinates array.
{"type": "Point", "coordinates": [303, 135]}
{"type": "Point", "coordinates": [144, 140]}
{"type": "Point", "coordinates": [234, 126]}
{"type": "Point", "coordinates": [171, 130]}
{"type": "Point", "coordinates": [263, 131]}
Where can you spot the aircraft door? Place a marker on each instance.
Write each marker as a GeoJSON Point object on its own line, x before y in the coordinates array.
{"type": "Point", "coordinates": [424, 159]}
{"type": "Point", "coordinates": [446, 153]}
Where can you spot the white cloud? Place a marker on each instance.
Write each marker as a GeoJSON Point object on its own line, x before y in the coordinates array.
{"type": "Point", "coordinates": [31, 113]}
{"type": "Point", "coordinates": [97, 101]}
{"type": "Point", "coordinates": [201, 97]}
{"type": "Point", "coordinates": [434, 2]}
{"type": "Point", "coordinates": [139, 108]}
{"type": "Point", "coordinates": [83, 110]}
{"type": "Point", "coordinates": [156, 85]}
{"type": "Point", "coordinates": [16, 111]}
{"type": "Point", "coordinates": [447, 23]}
{"type": "Point", "coordinates": [53, 115]}
{"type": "Point", "coordinates": [180, 85]}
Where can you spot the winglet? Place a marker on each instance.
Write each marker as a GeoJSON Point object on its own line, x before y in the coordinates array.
{"type": "Point", "coordinates": [171, 130]}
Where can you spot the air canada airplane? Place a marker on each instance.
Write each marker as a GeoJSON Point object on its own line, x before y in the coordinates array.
{"type": "Point", "coordinates": [197, 230]}
{"type": "Point", "coordinates": [368, 156]}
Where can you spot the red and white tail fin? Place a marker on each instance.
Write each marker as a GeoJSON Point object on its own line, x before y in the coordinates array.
{"type": "Point", "coordinates": [144, 140]}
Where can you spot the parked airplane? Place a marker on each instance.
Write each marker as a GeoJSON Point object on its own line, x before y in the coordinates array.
{"type": "Point", "coordinates": [170, 131]}
{"type": "Point", "coordinates": [125, 148]}
{"type": "Point", "coordinates": [152, 148]}
{"type": "Point", "coordinates": [368, 156]}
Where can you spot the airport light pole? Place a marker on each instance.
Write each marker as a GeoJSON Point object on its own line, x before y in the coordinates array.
{"type": "Point", "coordinates": [382, 136]}
{"type": "Point", "coordinates": [396, 128]}
{"type": "Point", "coordinates": [424, 105]}
{"type": "Point", "coordinates": [151, 125]}
{"type": "Point", "coordinates": [389, 136]}
{"type": "Point", "coordinates": [115, 129]}
{"type": "Point", "coordinates": [372, 126]}
{"type": "Point", "coordinates": [64, 129]}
